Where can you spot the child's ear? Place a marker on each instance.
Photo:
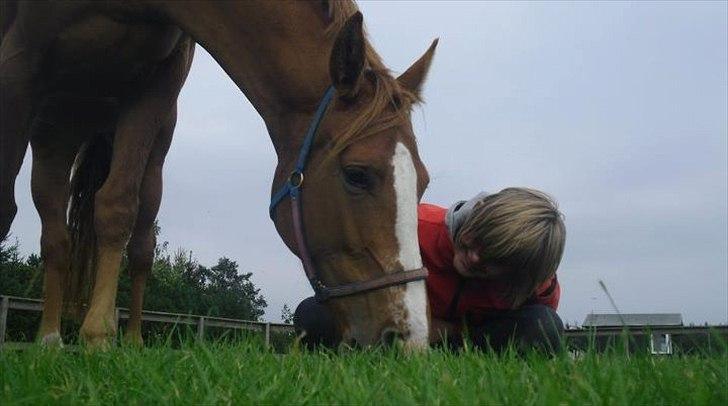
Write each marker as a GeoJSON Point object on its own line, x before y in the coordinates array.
{"type": "Point", "coordinates": [473, 256]}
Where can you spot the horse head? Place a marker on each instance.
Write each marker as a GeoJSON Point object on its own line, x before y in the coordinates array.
{"type": "Point", "coordinates": [363, 180]}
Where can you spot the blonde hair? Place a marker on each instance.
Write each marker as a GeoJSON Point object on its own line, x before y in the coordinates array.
{"type": "Point", "coordinates": [520, 229]}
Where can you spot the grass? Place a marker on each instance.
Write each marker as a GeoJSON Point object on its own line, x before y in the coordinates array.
{"type": "Point", "coordinates": [247, 373]}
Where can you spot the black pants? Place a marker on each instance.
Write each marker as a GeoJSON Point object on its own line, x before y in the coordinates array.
{"type": "Point", "coordinates": [530, 327]}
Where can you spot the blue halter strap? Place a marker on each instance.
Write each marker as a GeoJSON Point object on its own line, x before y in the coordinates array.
{"type": "Point", "coordinates": [292, 187]}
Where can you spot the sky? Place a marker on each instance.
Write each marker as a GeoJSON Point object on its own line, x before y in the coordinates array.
{"type": "Point", "coordinates": [618, 110]}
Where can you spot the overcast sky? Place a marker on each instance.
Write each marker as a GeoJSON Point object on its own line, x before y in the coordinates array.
{"type": "Point", "coordinates": [616, 109]}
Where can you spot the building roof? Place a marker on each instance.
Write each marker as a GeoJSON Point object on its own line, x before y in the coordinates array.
{"type": "Point", "coordinates": [633, 319]}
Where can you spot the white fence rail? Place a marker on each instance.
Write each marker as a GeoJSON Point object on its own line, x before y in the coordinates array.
{"type": "Point", "coordinates": [8, 303]}
{"type": "Point", "coordinates": [201, 322]}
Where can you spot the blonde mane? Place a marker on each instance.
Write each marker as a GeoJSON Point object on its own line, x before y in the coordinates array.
{"type": "Point", "coordinates": [390, 103]}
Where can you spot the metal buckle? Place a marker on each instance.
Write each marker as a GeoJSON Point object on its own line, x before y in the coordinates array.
{"type": "Point", "coordinates": [295, 179]}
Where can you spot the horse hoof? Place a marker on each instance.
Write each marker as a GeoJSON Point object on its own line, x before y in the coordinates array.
{"type": "Point", "coordinates": [97, 343]}
{"type": "Point", "coordinates": [133, 340]}
{"type": "Point", "coordinates": [52, 340]}
{"type": "Point", "coordinates": [96, 340]}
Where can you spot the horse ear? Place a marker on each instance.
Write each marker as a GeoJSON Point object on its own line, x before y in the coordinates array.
{"type": "Point", "coordinates": [413, 78]}
{"type": "Point", "coordinates": [347, 57]}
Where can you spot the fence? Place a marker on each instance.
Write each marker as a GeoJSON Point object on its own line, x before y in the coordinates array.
{"type": "Point", "coordinates": [201, 322]}
{"type": "Point", "coordinates": [655, 339]}
{"type": "Point", "coordinates": [574, 335]}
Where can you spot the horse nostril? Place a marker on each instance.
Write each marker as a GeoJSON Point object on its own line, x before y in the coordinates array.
{"type": "Point", "coordinates": [390, 335]}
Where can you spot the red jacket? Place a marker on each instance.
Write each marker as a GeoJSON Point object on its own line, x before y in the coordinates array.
{"type": "Point", "coordinates": [477, 297]}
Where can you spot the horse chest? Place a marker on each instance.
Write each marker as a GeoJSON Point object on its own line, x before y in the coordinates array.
{"type": "Point", "coordinates": [104, 56]}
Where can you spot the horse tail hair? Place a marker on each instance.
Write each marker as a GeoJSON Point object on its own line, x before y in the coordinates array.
{"type": "Point", "coordinates": [88, 174]}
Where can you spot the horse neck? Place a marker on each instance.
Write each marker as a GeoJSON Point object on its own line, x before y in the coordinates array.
{"type": "Point", "coordinates": [276, 53]}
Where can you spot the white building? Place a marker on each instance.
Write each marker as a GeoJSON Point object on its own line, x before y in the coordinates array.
{"type": "Point", "coordinates": [660, 342]}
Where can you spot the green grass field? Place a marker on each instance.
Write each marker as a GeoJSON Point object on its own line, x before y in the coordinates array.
{"type": "Point", "coordinates": [246, 373]}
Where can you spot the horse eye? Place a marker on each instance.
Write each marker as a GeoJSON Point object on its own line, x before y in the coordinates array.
{"type": "Point", "coordinates": [357, 177]}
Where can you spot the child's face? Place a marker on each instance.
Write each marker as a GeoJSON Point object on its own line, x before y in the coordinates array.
{"type": "Point", "coordinates": [468, 264]}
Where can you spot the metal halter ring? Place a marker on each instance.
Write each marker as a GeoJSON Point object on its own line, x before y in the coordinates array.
{"type": "Point", "coordinates": [296, 179]}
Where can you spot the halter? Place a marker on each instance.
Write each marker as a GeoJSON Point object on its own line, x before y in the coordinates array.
{"type": "Point", "coordinates": [292, 189]}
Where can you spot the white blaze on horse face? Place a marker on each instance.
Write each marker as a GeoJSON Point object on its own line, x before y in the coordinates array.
{"type": "Point", "coordinates": [415, 298]}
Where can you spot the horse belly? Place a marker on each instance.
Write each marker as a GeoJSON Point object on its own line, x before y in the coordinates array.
{"type": "Point", "coordinates": [103, 55]}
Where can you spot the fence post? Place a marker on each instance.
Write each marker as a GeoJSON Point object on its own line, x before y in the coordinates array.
{"type": "Point", "coordinates": [201, 328]}
{"type": "Point", "coordinates": [4, 306]}
{"type": "Point", "coordinates": [116, 323]}
{"type": "Point", "coordinates": [267, 334]}
{"type": "Point", "coordinates": [709, 347]}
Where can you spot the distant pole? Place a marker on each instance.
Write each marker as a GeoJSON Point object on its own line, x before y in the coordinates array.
{"type": "Point", "coordinates": [625, 333]}
{"type": "Point", "coordinates": [710, 350]}
{"type": "Point", "coordinates": [4, 306]}
{"type": "Point", "coordinates": [267, 334]}
{"type": "Point", "coordinates": [614, 305]}
{"type": "Point", "coordinates": [117, 316]}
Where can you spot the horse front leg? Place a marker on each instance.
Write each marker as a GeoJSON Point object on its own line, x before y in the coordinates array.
{"type": "Point", "coordinates": [117, 202]}
{"type": "Point", "coordinates": [143, 238]}
{"type": "Point", "coordinates": [115, 210]}
{"type": "Point", "coordinates": [54, 150]}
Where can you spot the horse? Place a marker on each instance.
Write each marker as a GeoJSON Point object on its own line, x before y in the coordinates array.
{"type": "Point", "coordinates": [93, 87]}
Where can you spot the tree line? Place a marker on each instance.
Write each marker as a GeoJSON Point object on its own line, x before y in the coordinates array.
{"type": "Point", "coordinates": [177, 284]}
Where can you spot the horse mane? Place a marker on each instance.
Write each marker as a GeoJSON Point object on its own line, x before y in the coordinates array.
{"type": "Point", "coordinates": [390, 103]}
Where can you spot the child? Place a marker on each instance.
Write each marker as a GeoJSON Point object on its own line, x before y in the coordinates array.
{"type": "Point", "coordinates": [492, 262]}
{"type": "Point", "coordinates": [492, 272]}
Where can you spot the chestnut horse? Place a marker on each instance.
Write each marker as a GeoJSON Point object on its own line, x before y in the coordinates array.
{"type": "Point", "coordinates": [96, 84]}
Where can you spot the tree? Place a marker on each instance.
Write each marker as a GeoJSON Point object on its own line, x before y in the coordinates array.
{"type": "Point", "coordinates": [232, 293]}
{"type": "Point", "coordinates": [177, 284]}
{"type": "Point", "coordinates": [19, 277]}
